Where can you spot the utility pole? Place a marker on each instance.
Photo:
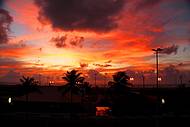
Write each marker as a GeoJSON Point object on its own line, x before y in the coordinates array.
{"type": "Point", "coordinates": [157, 62]}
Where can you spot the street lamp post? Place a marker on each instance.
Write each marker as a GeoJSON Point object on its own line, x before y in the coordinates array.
{"type": "Point", "coordinates": [157, 73]}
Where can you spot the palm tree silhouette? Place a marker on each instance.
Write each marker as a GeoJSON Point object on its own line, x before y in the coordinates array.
{"type": "Point", "coordinates": [120, 83]}
{"type": "Point", "coordinates": [120, 94]}
{"type": "Point", "coordinates": [74, 80]}
{"type": "Point", "coordinates": [28, 85]}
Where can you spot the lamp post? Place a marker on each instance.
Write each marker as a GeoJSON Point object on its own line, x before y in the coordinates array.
{"type": "Point", "coordinates": [156, 53]}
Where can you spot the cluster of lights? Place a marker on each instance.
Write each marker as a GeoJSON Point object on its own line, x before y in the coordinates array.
{"type": "Point", "coordinates": [159, 79]}
{"type": "Point", "coordinates": [131, 79]}
{"type": "Point", "coordinates": [51, 82]}
{"type": "Point", "coordinates": [9, 100]}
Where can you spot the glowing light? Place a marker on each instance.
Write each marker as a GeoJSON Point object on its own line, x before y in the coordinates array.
{"type": "Point", "coordinates": [9, 100]}
{"type": "Point", "coordinates": [102, 111]}
{"type": "Point", "coordinates": [159, 79]}
{"type": "Point", "coordinates": [163, 101]}
{"type": "Point", "coordinates": [51, 82]}
{"type": "Point", "coordinates": [131, 79]}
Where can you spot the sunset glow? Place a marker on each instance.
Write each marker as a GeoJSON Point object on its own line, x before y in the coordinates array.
{"type": "Point", "coordinates": [120, 37]}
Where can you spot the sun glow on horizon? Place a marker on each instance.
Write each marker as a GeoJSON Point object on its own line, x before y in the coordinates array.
{"type": "Point", "coordinates": [120, 40]}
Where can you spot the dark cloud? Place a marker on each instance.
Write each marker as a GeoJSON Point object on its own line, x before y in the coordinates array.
{"type": "Point", "coordinates": [184, 64]}
{"type": "Point", "coordinates": [65, 41]}
{"type": "Point", "coordinates": [180, 64]}
{"type": "Point", "coordinates": [5, 21]}
{"type": "Point", "coordinates": [91, 15]}
{"type": "Point", "coordinates": [60, 41]}
{"type": "Point", "coordinates": [11, 77]}
{"type": "Point", "coordinates": [82, 65]}
{"type": "Point", "coordinates": [102, 65]}
{"type": "Point", "coordinates": [8, 61]}
{"type": "Point", "coordinates": [1, 3]}
{"type": "Point", "coordinates": [147, 4]}
{"type": "Point", "coordinates": [109, 61]}
{"type": "Point", "coordinates": [77, 41]}
{"type": "Point", "coordinates": [22, 43]}
{"type": "Point", "coordinates": [170, 50]}
{"type": "Point", "coordinates": [19, 45]}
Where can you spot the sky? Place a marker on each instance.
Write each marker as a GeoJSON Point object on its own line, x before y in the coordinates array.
{"type": "Point", "coordinates": [45, 38]}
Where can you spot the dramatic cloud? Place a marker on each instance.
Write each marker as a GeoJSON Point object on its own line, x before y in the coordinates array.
{"type": "Point", "coordinates": [93, 15]}
{"type": "Point", "coordinates": [59, 41]}
{"type": "Point", "coordinates": [77, 41]}
{"type": "Point", "coordinates": [66, 41]}
{"type": "Point", "coordinates": [5, 21]}
{"type": "Point", "coordinates": [53, 36]}
{"type": "Point", "coordinates": [170, 50]}
{"type": "Point", "coordinates": [146, 4]}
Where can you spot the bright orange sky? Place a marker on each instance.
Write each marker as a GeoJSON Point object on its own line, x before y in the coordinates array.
{"type": "Point", "coordinates": [49, 37]}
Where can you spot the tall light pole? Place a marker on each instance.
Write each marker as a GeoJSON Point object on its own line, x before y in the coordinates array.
{"type": "Point", "coordinates": [157, 62]}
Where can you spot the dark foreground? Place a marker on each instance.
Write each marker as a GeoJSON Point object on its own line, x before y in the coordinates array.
{"type": "Point", "coordinates": [58, 120]}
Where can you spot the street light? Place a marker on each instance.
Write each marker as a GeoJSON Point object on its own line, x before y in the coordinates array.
{"type": "Point", "coordinates": [163, 101]}
{"type": "Point", "coordinates": [160, 79]}
{"type": "Point", "coordinates": [157, 52]}
{"type": "Point", "coordinates": [9, 100]}
{"type": "Point", "coordinates": [131, 79]}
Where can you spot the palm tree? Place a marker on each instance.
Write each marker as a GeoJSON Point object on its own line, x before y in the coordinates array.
{"type": "Point", "coordinates": [28, 85]}
{"type": "Point", "coordinates": [74, 80]}
{"type": "Point", "coordinates": [120, 83]}
{"type": "Point", "coordinates": [119, 93]}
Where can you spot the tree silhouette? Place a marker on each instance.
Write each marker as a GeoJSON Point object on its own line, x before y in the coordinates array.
{"type": "Point", "coordinates": [28, 85]}
{"type": "Point", "coordinates": [120, 83]}
{"type": "Point", "coordinates": [120, 93]}
{"type": "Point", "coordinates": [74, 80]}
{"type": "Point", "coordinates": [85, 89]}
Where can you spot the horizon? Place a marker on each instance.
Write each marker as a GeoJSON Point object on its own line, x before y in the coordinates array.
{"type": "Point", "coordinates": [44, 39]}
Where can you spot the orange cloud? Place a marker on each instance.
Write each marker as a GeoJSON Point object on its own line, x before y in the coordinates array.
{"type": "Point", "coordinates": [141, 26]}
{"type": "Point", "coordinates": [25, 12]}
